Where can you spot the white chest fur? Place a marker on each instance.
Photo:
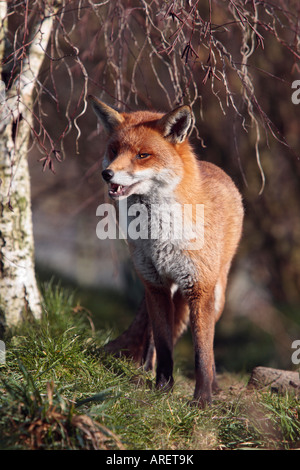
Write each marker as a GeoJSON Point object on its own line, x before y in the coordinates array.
{"type": "Point", "coordinates": [156, 239]}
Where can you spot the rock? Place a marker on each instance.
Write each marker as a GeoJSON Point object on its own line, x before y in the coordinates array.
{"type": "Point", "coordinates": [278, 381]}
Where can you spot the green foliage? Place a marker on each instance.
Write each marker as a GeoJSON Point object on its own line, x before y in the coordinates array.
{"type": "Point", "coordinates": [59, 391]}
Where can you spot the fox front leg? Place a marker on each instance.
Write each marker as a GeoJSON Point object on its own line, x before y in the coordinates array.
{"type": "Point", "coordinates": [161, 313]}
{"type": "Point", "coordinates": [202, 324]}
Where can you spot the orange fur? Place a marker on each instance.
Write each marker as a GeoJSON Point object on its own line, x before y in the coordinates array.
{"type": "Point", "coordinates": [148, 156]}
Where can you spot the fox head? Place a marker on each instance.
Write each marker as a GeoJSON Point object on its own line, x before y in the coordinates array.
{"type": "Point", "coordinates": [142, 152]}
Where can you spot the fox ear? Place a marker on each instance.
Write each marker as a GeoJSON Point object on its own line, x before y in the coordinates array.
{"type": "Point", "coordinates": [176, 125]}
{"type": "Point", "coordinates": [109, 117]}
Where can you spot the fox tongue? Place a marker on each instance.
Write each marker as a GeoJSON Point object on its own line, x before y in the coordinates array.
{"type": "Point", "coordinates": [116, 188]}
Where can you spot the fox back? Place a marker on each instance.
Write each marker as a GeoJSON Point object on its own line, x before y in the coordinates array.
{"type": "Point", "coordinates": [150, 164]}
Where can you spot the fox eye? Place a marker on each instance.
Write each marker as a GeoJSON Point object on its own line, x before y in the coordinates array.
{"type": "Point", "coordinates": [140, 156]}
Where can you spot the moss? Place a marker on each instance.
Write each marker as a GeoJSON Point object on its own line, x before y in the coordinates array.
{"type": "Point", "coordinates": [22, 203]}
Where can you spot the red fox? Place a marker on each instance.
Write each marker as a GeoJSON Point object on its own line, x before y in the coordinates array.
{"type": "Point", "coordinates": [150, 161]}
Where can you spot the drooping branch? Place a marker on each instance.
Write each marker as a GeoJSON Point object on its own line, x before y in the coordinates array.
{"type": "Point", "coordinates": [33, 60]}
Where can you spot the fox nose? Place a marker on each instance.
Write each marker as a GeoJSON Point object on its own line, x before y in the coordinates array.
{"type": "Point", "coordinates": [107, 174]}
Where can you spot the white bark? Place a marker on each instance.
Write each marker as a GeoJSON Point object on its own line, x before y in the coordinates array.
{"type": "Point", "coordinates": [19, 295]}
{"type": "Point", "coordinates": [18, 289]}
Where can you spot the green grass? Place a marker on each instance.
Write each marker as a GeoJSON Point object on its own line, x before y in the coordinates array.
{"type": "Point", "coordinates": [58, 391]}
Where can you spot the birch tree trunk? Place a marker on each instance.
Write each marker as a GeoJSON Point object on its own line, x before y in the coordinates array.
{"type": "Point", "coordinates": [19, 294]}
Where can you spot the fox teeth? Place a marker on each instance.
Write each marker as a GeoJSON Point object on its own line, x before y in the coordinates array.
{"type": "Point", "coordinates": [116, 187]}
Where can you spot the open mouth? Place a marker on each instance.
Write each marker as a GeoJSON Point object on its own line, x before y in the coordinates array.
{"type": "Point", "coordinates": [117, 190]}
